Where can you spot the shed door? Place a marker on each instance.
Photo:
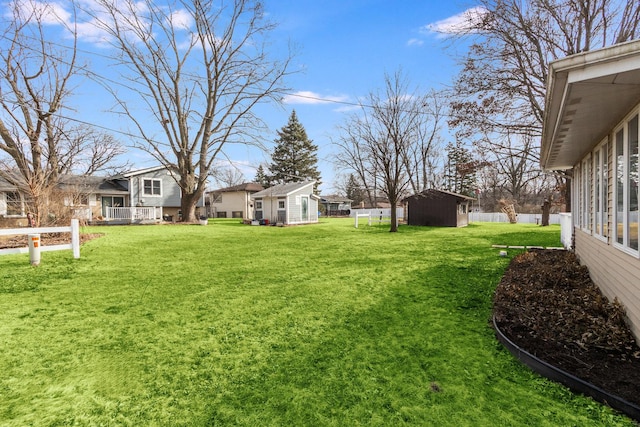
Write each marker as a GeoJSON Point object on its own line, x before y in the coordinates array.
{"type": "Point", "coordinates": [305, 208]}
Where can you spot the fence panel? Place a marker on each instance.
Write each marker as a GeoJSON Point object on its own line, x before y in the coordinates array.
{"type": "Point", "coordinates": [502, 217]}
{"type": "Point", "coordinates": [566, 230]}
{"type": "Point", "coordinates": [74, 229]}
{"type": "Point", "coordinates": [385, 213]}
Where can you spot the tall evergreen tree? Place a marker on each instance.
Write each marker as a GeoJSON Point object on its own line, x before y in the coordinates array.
{"type": "Point", "coordinates": [295, 156]}
{"type": "Point", "coordinates": [354, 191]}
{"type": "Point", "coordinates": [262, 178]}
{"type": "Point", "coordinates": [460, 171]}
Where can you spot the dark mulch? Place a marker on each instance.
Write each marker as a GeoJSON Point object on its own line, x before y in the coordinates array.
{"type": "Point", "coordinates": [547, 304]}
{"type": "Point", "coordinates": [48, 239]}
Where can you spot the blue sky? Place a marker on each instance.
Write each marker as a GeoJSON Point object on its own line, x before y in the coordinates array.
{"type": "Point", "coordinates": [347, 47]}
{"type": "Point", "coordinates": [344, 48]}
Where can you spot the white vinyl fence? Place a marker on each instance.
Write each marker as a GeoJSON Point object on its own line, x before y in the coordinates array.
{"type": "Point", "coordinates": [74, 229]}
{"type": "Point", "coordinates": [502, 217]}
{"type": "Point", "coordinates": [379, 216]}
{"type": "Point", "coordinates": [566, 230]}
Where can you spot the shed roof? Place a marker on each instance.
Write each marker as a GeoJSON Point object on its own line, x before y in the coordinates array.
{"type": "Point", "coordinates": [587, 95]}
{"type": "Point", "coordinates": [281, 190]}
{"type": "Point", "coordinates": [335, 199]}
{"type": "Point", "coordinates": [443, 193]}
{"type": "Point", "coordinates": [247, 186]}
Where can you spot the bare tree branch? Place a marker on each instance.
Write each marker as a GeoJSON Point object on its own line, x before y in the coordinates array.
{"type": "Point", "coordinates": [201, 77]}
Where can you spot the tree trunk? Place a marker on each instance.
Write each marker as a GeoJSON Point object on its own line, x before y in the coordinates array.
{"type": "Point", "coordinates": [546, 209]}
{"type": "Point", "coordinates": [394, 217]}
{"type": "Point", "coordinates": [188, 206]}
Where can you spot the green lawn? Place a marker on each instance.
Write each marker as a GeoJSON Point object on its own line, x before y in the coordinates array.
{"type": "Point", "coordinates": [230, 324]}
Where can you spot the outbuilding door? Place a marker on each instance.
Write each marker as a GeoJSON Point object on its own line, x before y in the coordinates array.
{"type": "Point", "coordinates": [305, 208]}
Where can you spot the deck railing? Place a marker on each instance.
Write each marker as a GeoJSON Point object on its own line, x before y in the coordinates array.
{"type": "Point", "coordinates": [133, 213]}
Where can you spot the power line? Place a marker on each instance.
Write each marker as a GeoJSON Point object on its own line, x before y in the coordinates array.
{"type": "Point", "coordinates": [100, 78]}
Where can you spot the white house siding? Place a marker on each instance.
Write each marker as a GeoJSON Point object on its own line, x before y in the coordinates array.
{"type": "Point", "coordinates": [615, 272]}
{"type": "Point", "coordinates": [294, 207]}
{"type": "Point", "coordinates": [170, 190]}
{"type": "Point", "coordinates": [233, 201]}
{"type": "Point", "coordinates": [291, 194]}
{"type": "Point", "coordinates": [3, 203]}
{"type": "Point", "coordinates": [270, 209]}
{"type": "Point", "coordinates": [587, 93]}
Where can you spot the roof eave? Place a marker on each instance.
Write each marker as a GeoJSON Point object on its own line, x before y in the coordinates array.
{"type": "Point", "coordinates": [587, 94]}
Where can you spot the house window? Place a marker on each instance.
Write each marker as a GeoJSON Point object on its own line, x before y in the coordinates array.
{"type": "Point", "coordinates": [14, 204]}
{"type": "Point", "coordinates": [258, 204]}
{"type": "Point", "coordinates": [152, 187]}
{"type": "Point", "coordinates": [221, 214]}
{"type": "Point", "coordinates": [600, 190]}
{"type": "Point", "coordinates": [76, 200]}
{"type": "Point", "coordinates": [585, 195]}
{"type": "Point", "coordinates": [216, 197]}
{"type": "Point", "coordinates": [237, 214]}
{"type": "Point", "coordinates": [281, 204]}
{"type": "Point", "coordinates": [626, 185]}
{"type": "Point", "coordinates": [632, 184]}
{"type": "Point", "coordinates": [619, 186]}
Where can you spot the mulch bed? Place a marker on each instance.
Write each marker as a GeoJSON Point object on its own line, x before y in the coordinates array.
{"type": "Point", "coordinates": [547, 304]}
{"type": "Point", "coordinates": [46, 239]}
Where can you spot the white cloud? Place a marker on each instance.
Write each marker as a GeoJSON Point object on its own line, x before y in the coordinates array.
{"type": "Point", "coordinates": [50, 13]}
{"type": "Point", "coordinates": [457, 24]}
{"type": "Point", "coordinates": [415, 42]}
{"type": "Point", "coordinates": [348, 108]}
{"type": "Point", "coordinates": [308, 97]}
{"type": "Point", "coordinates": [181, 19]}
{"type": "Point", "coordinates": [90, 25]}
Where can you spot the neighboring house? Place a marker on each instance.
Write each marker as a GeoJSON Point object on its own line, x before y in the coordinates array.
{"type": "Point", "coordinates": [232, 202]}
{"type": "Point", "coordinates": [591, 128]}
{"type": "Point", "coordinates": [288, 204]}
{"type": "Point", "coordinates": [336, 205]}
{"type": "Point", "coordinates": [150, 190]}
{"type": "Point", "coordinates": [143, 195]}
{"type": "Point", "coordinates": [12, 206]}
{"type": "Point", "coordinates": [85, 195]}
{"type": "Point", "coordinates": [438, 208]}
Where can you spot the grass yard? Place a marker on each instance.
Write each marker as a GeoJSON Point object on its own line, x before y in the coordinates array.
{"type": "Point", "coordinates": [320, 325]}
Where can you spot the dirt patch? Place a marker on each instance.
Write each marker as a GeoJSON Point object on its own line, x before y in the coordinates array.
{"type": "Point", "coordinates": [46, 239]}
{"type": "Point", "coordinates": [547, 304]}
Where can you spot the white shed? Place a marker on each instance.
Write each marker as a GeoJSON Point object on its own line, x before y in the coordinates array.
{"type": "Point", "coordinates": [290, 203]}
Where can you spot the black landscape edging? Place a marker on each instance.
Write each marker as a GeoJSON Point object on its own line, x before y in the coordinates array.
{"type": "Point", "coordinates": [574, 383]}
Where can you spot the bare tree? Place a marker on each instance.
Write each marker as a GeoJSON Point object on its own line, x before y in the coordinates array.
{"type": "Point", "coordinates": [354, 156]}
{"type": "Point", "coordinates": [35, 79]}
{"type": "Point", "coordinates": [85, 150]}
{"type": "Point", "coordinates": [502, 85]}
{"type": "Point", "coordinates": [381, 136]}
{"type": "Point", "coordinates": [200, 68]}
{"type": "Point", "coordinates": [422, 153]}
{"type": "Point", "coordinates": [419, 152]}
{"type": "Point", "coordinates": [515, 164]}
{"type": "Point", "coordinates": [227, 175]}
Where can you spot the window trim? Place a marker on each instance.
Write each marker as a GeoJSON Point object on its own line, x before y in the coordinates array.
{"type": "Point", "coordinates": [600, 171]}
{"type": "Point", "coordinates": [621, 167]}
{"type": "Point", "coordinates": [585, 194]}
{"type": "Point", "coordinates": [19, 200]}
{"type": "Point", "coordinates": [153, 181]}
